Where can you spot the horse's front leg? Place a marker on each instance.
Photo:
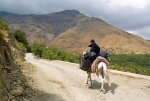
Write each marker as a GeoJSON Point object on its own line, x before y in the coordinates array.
{"type": "Point", "coordinates": [88, 78]}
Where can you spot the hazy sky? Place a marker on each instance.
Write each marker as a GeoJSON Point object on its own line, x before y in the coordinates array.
{"type": "Point", "coordinates": [129, 15]}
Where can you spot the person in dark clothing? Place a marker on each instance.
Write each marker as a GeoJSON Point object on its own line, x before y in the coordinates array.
{"type": "Point", "coordinates": [94, 47]}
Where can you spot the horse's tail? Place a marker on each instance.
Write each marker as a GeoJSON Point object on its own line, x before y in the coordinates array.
{"type": "Point", "coordinates": [105, 73]}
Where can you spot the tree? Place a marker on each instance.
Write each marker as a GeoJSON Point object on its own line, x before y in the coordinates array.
{"type": "Point", "coordinates": [21, 38]}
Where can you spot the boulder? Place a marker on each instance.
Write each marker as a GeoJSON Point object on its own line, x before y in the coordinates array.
{"type": "Point", "coordinates": [18, 91]}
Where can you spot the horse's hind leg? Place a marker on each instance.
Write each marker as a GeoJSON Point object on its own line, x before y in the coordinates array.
{"type": "Point", "coordinates": [108, 78]}
{"type": "Point", "coordinates": [102, 80]}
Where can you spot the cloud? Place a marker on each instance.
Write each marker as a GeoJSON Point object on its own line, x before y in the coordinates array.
{"type": "Point", "coordinates": [129, 15]}
{"type": "Point", "coordinates": [145, 32]}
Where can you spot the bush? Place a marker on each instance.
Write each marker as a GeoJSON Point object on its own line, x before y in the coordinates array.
{"type": "Point", "coordinates": [3, 25]}
{"type": "Point", "coordinates": [136, 63]}
{"type": "Point", "coordinates": [21, 38]}
{"type": "Point", "coordinates": [3, 29]}
{"type": "Point", "coordinates": [38, 48]}
{"type": "Point", "coordinates": [22, 47]}
{"type": "Point", "coordinates": [58, 54]}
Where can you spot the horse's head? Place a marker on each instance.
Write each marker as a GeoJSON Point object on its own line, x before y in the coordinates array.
{"type": "Point", "coordinates": [83, 53]}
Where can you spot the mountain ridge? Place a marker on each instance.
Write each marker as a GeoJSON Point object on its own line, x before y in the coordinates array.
{"type": "Point", "coordinates": [72, 30]}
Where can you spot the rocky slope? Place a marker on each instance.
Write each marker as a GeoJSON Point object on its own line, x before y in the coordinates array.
{"type": "Point", "coordinates": [72, 30]}
{"type": "Point", "coordinates": [15, 80]}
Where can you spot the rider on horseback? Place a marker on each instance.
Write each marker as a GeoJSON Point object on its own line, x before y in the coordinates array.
{"type": "Point", "coordinates": [99, 66]}
{"type": "Point", "coordinates": [99, 56]}
{"type": "Point", "coordinates": [94, 47]}
{"type": "Point", "coordinates": [87, 59]}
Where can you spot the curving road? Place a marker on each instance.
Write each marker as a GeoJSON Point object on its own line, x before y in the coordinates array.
{"type": "Point", "coordinates": [67, 82]}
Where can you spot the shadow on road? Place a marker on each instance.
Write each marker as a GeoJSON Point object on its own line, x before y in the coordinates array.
{"type": "Point", "coordinates": [97, 85]}
{"type": "Point", "coordinates": [43, 96]}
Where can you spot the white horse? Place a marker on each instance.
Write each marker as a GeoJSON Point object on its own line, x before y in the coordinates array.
{"type": "Point", "coordinates": [102, 73]}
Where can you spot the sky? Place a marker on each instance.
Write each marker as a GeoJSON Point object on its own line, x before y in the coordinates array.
{"type": "Point", "coordinates": [130, 15]}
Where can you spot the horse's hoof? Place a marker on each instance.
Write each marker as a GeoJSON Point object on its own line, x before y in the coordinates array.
{"type": "Point", "coordinates": [109, 84]}
{"type": "Point", "coordinates": [90, 86]}
{"type": "Point", "coordinates": [102, 90]}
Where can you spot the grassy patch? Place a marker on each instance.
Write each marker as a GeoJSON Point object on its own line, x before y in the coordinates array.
{"type": "Point", "coordinates": [3, 29]}
{"type": "Point", "coordinates": [52, 53]}
{"type": "Point", "coordinates": [58, 54]}
{"type": "Point", "coordinates": [132, 63]}
{"type": "Point", "coordinates": [3, 25]}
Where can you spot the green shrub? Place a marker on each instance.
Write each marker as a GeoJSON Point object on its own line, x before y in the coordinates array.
{"type": "Point", "coordinates": [3, 25]}
{"type": "Point", "coordinates": [38, 48]}
{"type": "Point", "coordinates": [21, 38]}
{"type": "Point", "coordinates": [22, 47]}
{"type": "Point", "coordinates": [136, 63]}
{"type": "Point", "coordinates": [58, 54]}
{"type": "Point", "coordinates": [52, 53]}
{"type": "Point", "coordinates": [3, 29]}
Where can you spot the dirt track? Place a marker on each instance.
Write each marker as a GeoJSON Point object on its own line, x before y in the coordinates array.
{"type": "Point", "coordinates": [66, 82]}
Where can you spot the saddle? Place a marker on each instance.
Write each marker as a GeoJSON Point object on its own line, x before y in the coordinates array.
{"type": "Point", "coordinates": [99, 59]}
{"type": "Point", "coordinates": [89, 62]}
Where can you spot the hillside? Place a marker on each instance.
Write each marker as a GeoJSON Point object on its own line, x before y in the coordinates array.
{"type": "Point", "coordinates": [15, 73]}
{"type": "Point", "coordinates": [11, 61]}
{"type": "Point", "coordinates": [72, 30]}
{"type": "Point", "coordinates": [116, 41]}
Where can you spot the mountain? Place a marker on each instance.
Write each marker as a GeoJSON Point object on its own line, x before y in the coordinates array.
{"type": "Point", "coordinates": [72, 31]}
{"type": "Point", "coordinates": [44, 27]}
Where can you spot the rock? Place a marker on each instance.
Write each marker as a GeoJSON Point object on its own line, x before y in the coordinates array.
{"type": "Point", "coordinates": [14, 100]}
{"type": "Point", "coordinates": [17, 82]}
{"type": "Point", "coordinates": [11, 97]}
{"type": "Point", "coordinates": [17, 92]}
{"type": "Point", "coordinates": [6, 98]}
{"type": "Point", "coordinates": [8, 68]}
{"type": "Point", "coordinates": [16, 71]}
{"type": "Point", "coordinates": [24, 99]}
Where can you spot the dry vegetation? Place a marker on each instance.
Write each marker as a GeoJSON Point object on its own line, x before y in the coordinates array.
{"type": "Point", "coordinates": [116, 41]}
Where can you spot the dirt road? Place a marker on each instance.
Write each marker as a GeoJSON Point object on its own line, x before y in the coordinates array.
{"type": "Point", "coordinates": [68, 83]}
